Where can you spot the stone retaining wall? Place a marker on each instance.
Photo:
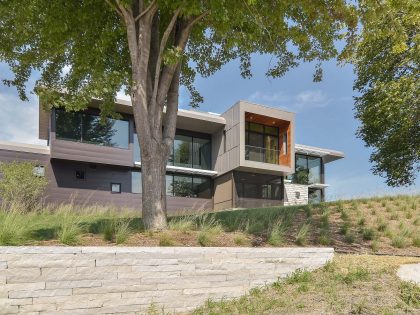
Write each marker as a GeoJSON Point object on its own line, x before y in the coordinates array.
{"type": "Point", "coordinates": [98, 280]}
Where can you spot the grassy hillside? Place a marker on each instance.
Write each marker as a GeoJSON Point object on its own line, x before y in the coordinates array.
{"type": "Point", "coordinates": [350, 284]}
{"type": "Point", "coordinates": [388, 225]}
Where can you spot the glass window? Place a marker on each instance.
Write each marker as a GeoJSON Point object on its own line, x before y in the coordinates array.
{"type": "Point", "coordinates": [182, 151]}
{"type": "Point", "coordinates": [90, 129]}
{"type": "Point", "coordinates": [314, 166]}
{"type": "Point", "coordinates": [107, 132]}
{"type": "Point", "coordinates": [136, 149]}
{"type": "Point", "coordinates": [301, 170]}
{"type": "Point", "coordinates": [258, 186]}
{"type": "Point", "coordinates": [274, 131]}
{"type": "Point", "coordinates": [256, 127]}
{"type": "Point", "coordinates": [116, 188]}
{"type": "Point", "coordinates": [201, 153]}
{"type": "Point", "coordinates": [136, 187]}
{"type": "Point", "coordinates": [315, 195]}
{"type": "Point", "coordinates": [285, 143]}
{"type": "Point", "coordinates": [68, 125]}
{"type": "Point", "coordinates": [169, 185]}
{"type": "Point", "coordinates": [202, 187]}
{"type": "Point", "coordinates": [182, 186]}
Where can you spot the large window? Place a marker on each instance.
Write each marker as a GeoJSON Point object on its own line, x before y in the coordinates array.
{"type": "Point", "coordinates": [258, 186]}
{"type": "Point", "coordinates": [188, 186]}
{"type": "Point", "coordinates": [307, 170]}
{"type": "Point", "coordinates": [261, 143]}
{"type": "Point", "coordinates": [191, 152]}
{"type": "Point", "coordinates": [89, 128]}
{"type": "Point", "coordinates": [178, 185]}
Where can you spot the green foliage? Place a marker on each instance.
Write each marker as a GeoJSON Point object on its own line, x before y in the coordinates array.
{"type": "Point", "coordinates": [387, 68]}
{"type": "Point", "coordinates": [353, 275]}
{"type": "Point", "coordinates": [299, 276]}
{"type": "Point", "coordinates": [368, 234]}
{"type": "Point", "coordinates": [20, 187]}
{"type": "Point", "coordinates": [349, 237]}
{"type": "Point", "coordinates": [399, 241]}
{"type": "Point", "coordinates": [13, 228]}
{"type": "Point", "coordinates": [166, 240]}
{"type": "Point", "coordinates": [122, 231]}
{"type": "Point", "coordinates": [69, 226]}
{"type": "Point", "coordinates": [182, 224]}
{"type": "Point", "coordinates": [410, 294]}
{"type": "Point", "coordinates": [302, 235]}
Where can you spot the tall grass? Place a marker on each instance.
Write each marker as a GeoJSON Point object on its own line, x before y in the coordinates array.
{"type": "Point", "coordinates": [69, 225]}
{"type": "Point", "coordinates": [13, 228]}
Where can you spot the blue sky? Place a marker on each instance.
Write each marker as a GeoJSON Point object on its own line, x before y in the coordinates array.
{"type": "Point", "coordinates": [324, 116]}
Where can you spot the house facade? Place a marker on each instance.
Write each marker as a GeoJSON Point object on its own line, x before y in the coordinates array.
{"type": "Point", "coordinates": [245, 157]}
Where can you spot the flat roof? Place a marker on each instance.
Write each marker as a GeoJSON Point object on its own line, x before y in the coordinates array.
{"type": "Point", "coordinates": [24, 147]}
{"type": "Point", "coordinates": [327, 154]}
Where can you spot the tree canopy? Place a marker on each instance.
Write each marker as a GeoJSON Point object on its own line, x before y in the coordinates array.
{"type": "Point", "coordinates": [81, 47]}
{"type": "Point", "coordinates": [388, 79]}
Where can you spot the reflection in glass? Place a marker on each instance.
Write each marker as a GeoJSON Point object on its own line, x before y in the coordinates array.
{"type": "Point", "coordinates": [201, 153]}
{"type": "Point", "coordinates": [307, 170]}
{"type": "Point", "coordinates": [182, 151]}
{"type": "Point", "coordinates": [68, 125]}
{"type": "Point", "coordinates": [261, 143]}
{"type": "Point", "coordinates": [202, 187]}
{"type": "Point", "coordinates": [314, 166]}
{"type": "Point", "coordinates": [182, 186]}
{"type": "Point", "coordinates": [315, 195]}
{"type": "Point", "coordinates": [90, 128]}
{"type": "Point", "coordinates": [188, 186]}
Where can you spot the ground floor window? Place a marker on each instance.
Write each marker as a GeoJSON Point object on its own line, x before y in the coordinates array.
{"type": "Point", "coordinates": [258, 186]}
{"type": "Point", "coordinates": [314, 195]}
{"type": "Point", "coordinates": [179, 185]}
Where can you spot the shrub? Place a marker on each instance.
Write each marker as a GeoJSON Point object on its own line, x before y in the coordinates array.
{"type": "Point", "coordinates": [122, 231]}
{"type": "Point", "coordinates": [20, 187]}
{"type": "Point", "coordinates": [399, 241]}
{"type": "Point", "coordinates": [108, 229]}
{"type": "Point", "coordinates": [12, 228]}
{"type": "Point", "coordinates": [416, 241]}
{"type": "Point", "coordinates": [374, 246]}
{"type": "Point", "coordinates": [408, 215]}
{"type": "Point", "coordinates": [165, 240]}
{"type": "Point", "coordinates": [182, 224]}
{"type": "Point", "coordinates": [69, 229]}
{"type": "Point", "coordinates": [381, 225]}
{"type": "Point", "coordinates": [361, 221]}
{"type": "Point", "coordinates": [240, 239]}
{"type": "Point", "coordinates": [344, 227]}
{"type": "Point", "coordinates": [299, 276]}
{"type": "Point", "coordinates": [302, 235]}
{"type": "Point", "coordinates": [368, 234]}
{"type": "Point", "coordinates": [349, 237]}
{"type": "Point", "coordinates": [324, 239]}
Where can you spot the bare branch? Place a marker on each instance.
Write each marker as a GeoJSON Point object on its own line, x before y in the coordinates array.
{"type": "Point", "coordinates": [150, 7]}
{"type": "Point", "coordinates": [196, 19]}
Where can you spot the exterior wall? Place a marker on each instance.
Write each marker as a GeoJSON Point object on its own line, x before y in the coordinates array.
{"type": "Point", "coordinates": [257, 203]}
{"type": "Point", "coordinates": [124, 280]}
{"type": "Point", "coordinates": [18, 156]}
{"type": "Point", "coordinates": [223, 192]}
{"type": "Point", "coordinates": [290, 192]}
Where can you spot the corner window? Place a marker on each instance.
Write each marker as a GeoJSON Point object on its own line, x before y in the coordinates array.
{"type": "Point", "coordinates": [80, 175]}
{"type": "Point", "coordinates": [115, 188]}
{"type": "Point", "coordinates": [39, 171]}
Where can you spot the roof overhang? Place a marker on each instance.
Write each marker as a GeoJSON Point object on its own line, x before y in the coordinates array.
{"type": "Point", "coordinates": [318, 185]}
{"type": "Point", "coordinates": [24, 147]}
{"type": "Point", "coordinates": [326, 154]}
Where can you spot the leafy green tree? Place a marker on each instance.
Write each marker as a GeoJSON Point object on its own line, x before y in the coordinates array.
{"type": "Point", "coordinates": [150, 48]}
{"type": "Point", "coordinates": [388, 80]}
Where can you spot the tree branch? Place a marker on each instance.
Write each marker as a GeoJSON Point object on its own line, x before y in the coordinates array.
{"type": "Point", "coordinates": [150, 7]}
{"type": "Point", "coordinates": [114, 7]}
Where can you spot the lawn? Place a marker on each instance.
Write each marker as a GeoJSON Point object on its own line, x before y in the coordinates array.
{"type": "Point", "coordinates": [350, 284]}
{"type": "Point", "coordinates": [385, 225]}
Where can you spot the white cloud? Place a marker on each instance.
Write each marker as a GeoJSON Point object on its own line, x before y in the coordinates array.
{"type": "Point", "coordinates": [19, 120]}
{"type": "Point", "coordinates": [304, 100]}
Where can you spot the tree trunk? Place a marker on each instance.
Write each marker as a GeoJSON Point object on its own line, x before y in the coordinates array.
{"type": "Point", "coordinates": [154, 192]}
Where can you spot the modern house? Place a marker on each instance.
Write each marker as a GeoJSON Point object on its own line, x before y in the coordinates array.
{"type": "Point", "coordinates": [245, 157]}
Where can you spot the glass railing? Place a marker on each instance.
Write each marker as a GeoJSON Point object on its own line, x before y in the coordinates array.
{"type": "Point", "coordinates": [259, 154]}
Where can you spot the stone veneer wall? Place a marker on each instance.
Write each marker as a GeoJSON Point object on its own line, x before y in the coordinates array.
{"type": "Point", "coordinates": [290, 194]}
{"type": "Point", "coordinates": [97, 280]}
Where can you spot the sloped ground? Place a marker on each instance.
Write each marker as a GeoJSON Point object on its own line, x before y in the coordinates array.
{"type": "Point", "coordinates": [387, 225]}
{"type": "Point", "coordinates": [351, 284]}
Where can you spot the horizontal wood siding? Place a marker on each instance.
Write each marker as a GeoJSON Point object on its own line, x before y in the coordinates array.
{"type": "Point", "coordinates": [85, 152]}
{"type": "Point", "coordinates": [10, 156]}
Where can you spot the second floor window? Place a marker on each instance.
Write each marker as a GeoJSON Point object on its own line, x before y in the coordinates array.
{"type": "Point", "coordinates": [88, 128]}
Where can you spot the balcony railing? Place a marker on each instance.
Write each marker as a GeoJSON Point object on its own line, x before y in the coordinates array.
{"type": "Point", "coordinates": [259, 154]}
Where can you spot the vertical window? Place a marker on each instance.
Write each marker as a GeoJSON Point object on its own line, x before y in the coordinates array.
{"type": "Point", "coordinates": [136, 149]}
{"type": "Point", "coordinates": [284, 143]}
{"type": "Point", "coordinates": [136, 183]}
{"type": "Point", "coordinates": [116, 188]}
{"type": "Point", "coordinates": [307, 169]}
{"type": "Point", "coordinates": [262, 143]}
{"type": "Point", "coordinates": [182, 151]}
{"type": "Point", "coordinates": [224, 141]}
{"type": "Point", "coordinates": [201, 153]}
